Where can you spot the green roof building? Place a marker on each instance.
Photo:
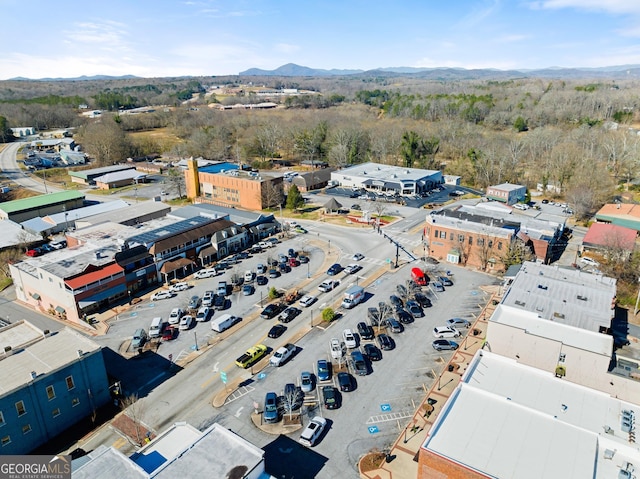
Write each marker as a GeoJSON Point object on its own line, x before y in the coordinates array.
{"type": "Point", "coordinates": [42, 205]}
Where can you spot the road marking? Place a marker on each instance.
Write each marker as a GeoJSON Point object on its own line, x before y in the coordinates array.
{"type": "Point", "coordinates": [238, 393]}
{"type": "Point", "coordinates": [215, 367]}
{"type": "Point", "coordinates": [389, 417]}
{"type": "Point", "coordinates": [119, 443]}
{"type": "Point", "coordinates": [239, 411]}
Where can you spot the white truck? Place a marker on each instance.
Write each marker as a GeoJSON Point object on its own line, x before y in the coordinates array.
{"type": "Point", "coordinates": [338, 348]}
{"type": "Point", "coordinates": [352, 297]}
{"type": "Point", "coordinates": [224, 322]}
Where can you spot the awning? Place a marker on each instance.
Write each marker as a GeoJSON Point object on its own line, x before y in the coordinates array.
{"type": "Point", "coordinates": [208, 251]}
{"type": "Point", "coordinates": [266, 226]}
{"type": "Point", "coordinates": [83, 303]}
{"type": "Point", "coordinates": [175, 264]}
{"type": "Point", "coordinates": [35, 296]}
{"type": "Point", "coordinates": [60, 309]}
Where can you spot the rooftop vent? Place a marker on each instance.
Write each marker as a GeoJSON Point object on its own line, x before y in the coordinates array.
{"type": "Point", "coordinates": [33, 375]}
{"type": "Point", "coordinates": [80, 353]}
{"type": "Point", "coordinates": [582, 298]}
{"type": "Point", "coordinates": [520, 303]}
{"type": "Point", "coordinates": [558, 315]}
{"type": "Point", "coordinates": [545, 287]}
{"type": "Point", "coordinates": [608, 453]}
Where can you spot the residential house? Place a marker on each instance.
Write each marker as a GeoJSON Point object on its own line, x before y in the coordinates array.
{"type": "Point", "coordinates": [609, 240]}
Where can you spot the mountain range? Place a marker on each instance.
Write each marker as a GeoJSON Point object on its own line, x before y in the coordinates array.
{"type": "Point", "coordinates": [293, 70]}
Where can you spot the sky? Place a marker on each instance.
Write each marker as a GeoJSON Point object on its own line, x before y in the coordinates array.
{"type": "Point", "coordinates": [160, 38]}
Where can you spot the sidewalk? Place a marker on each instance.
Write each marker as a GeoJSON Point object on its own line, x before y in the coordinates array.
{"type": "Point", "coordinates": [403, 455]}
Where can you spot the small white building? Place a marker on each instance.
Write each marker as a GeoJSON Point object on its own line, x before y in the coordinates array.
{"type": "Point", "coordinates": [23, 131]}
{"type": "Point", "coordinates": [507, 193]}
{"type": "Point", "coordinates": [388, 179]}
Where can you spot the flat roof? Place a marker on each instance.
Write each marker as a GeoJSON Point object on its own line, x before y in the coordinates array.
{"type": "Point", "coordinates": [568, 296]}
{"type": "Point", "coordinates": [100, 171]}
{"type": "Point", "coordinates": [217, 167]}
{"type": "Point", "coordinates": [238, 216]}
{"type": "Point", "coordinates": [610, 236]}
{"type": "Point", "coordinates": [507, 187]}
{"type": "Point", "coordinates": [119, 176]}
{"type": "Point", "coordinates": [151, 236]}
{"type": "Point", "coordinates": [129, 214]}
{"type": "Point", "coordinates": [13, 234]}
{"type": "Point", "coordinates": [50, 353]}
{"type": "Point", "coordinates": [18, 335]}
{"type": "Point", "coordinates": [533, 324]}
{"type": "Point", "coordinates": [107, 463]}
{"type": "Point", "coordinates": [40, 200]}
{"type": "Point", "coordinates": [510, 420]}
{"type": "Point", "coordinates": [378, 171]}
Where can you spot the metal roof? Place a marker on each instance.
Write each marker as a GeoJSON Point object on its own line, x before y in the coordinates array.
{"type": "Point", "coordinates": [150, 237]}
{"type": "Point", "coordinates": [93, 172]}
{"type": "Point", "coordinates": [129, 214]}
{"type": "Point", "coordinates": [40, 200]}
{"type": "Point", "coordinates": [119, 176]}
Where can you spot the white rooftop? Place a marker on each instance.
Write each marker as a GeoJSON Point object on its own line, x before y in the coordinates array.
{"type": "Point", "coordinates": [568, 296]}
{"type": "Point", "coordinates": [513, 421]}
{"type": "Point", "coordinates": [18, 335]}
{"type": "Point", "coordinates": [383, 172]}
{"type": "Point", "coordinates": [507, 187]}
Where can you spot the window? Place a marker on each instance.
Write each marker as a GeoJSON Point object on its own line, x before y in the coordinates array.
{"type": "Point", "coordinates": [460, 238]}
{"type": "Point", "coordinates": [70, 383]}
{"type": "Point", "coordinates": [2, 423]}
{"type": "Point", "coordinates": [470, 240]}
{"type": "Point", "coordinates": [450, 236]}
{"type": "Point", "coordinates": [26, 428]}
{"type": "Point", "coordinates": [55, 412]}
{"type": "Point", "coordinates": [51, 393]}
{"type": "Point", "coordinates": [499, 245]}
{"type": "Point", "coordinates": [75, 402]}
{"type": "Point", "coordinates": [20, 408]}
{"type": "Point", "coordinates": [435, 233]}
{"type": "Point", "coordinates": [443, 235]}
{"type": "Point", "coordinates": [480, 241]}
{"type": "Point", "coordinates": [6, 440]}
{"type": "Point", "coordinates": [490, 243]}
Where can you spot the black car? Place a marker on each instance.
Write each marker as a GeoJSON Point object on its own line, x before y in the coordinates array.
{"type": "Point", "coordinates": [334, 269]}
{"type": "Point", "coordinates": [292, 253]}
{"type": "Point", "coordinates": [274, 273]}
{"type": "Point", "coordinates": [243, 255]}
{"type": "Point", "coordinates": [277, 331]}
{"type": "Point", "coordinates": [386, 343]}
{"type": "Point", "coordinates": [288, 314]}
{"type": "Point", "coordinates": [284, 268]}
{"type": "Point", "coordinates": [261, 280]}
{"type": "Point", "coordinates": [365, 331]}
{"type": "Point", "coordinates": [303, 259]}
{"type": "Point", "coordinates": [414, 309]}
{"type": "Point", "coordinates": [273, 262]}
{"type": "Point", "coordinates": [372, 352]}
{"type": "Point", "coordinates": [404, 317]}
{"type": "Point", "coordinates": [221, 266]}
{"type": "Point", "coordinates": [345, 382]}
{"type": "Point", "coordinates": [422, 300]}
{"type": "Point", "coordinates": [270, 311]}
{"type": "Point", "coordinates": [330, 397]}
{"type": "Point", "coordinates": [402, 290]}
{"type": "Point", "coordinates": [396, 302]}
{"type": "Point", "coordinates": [445, 280]}
{"type": "Point", "coordinates": [356, 207]}
{"type": "Point", "coordinates": [219, 302]}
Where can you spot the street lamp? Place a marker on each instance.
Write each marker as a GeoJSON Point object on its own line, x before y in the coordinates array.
{"type": "Point", "coordinates": [308, 275]}
{"type": "Point", "coordinates": [329, 246]}
{"type": "Point", "coordinates": [129, 293]}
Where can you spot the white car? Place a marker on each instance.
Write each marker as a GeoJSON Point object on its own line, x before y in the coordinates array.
{"type": "Point", "coordinates": [282, 354]}
{"type": "Point", "coordinates": [203, 314]}
{"type": "Point", "coordinates": [352, 268]}
{"type": "Point", "coordinates": [161, 295]}
{"type": "Point", "coordinates": [307, 300]}
{"type": "Point", "coordinates": [205, 273]}
{"type": "Point", "coordinates": [521, 206]}
{"type": "Point", "coordinates": [265, 244]}
{"type": "Point", "coordinates": [327, 285]}
{"type": "Point", "coordinates": [248, 276]}
{"type": "Point", "coordinates": [585, 260]}
{"type": "Point", "coordinates": [182, 286]}
{"type": "Point", "coordinates": [186, 322]}
{"type": "Point", "coordinates": [207, 299]}
{"type": "Point", "coordinates": [446, 332]}
{"type": "Point", "coordinates": [349, 339]}
{"type": "Point", "coordinates": [175, 315]}
{"type": "Point", "coordinates": [338, 348]}
{"type": "Point", "coordinates": [358, 257]}
{"type": "Point", "coordinates": [312, 432]}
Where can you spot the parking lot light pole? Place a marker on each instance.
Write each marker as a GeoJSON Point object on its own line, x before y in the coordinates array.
{"type": "Point", "coordinates": [329, 246]}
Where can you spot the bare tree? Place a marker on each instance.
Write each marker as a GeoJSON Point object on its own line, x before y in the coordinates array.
{"type": "Point", "coordinates": [386, 310]}
{"type": "Point", "coordinates": [484, 250]}
{"type": "Point", "coordinates": [105, 141]}
{"type": "Point", "coordinates": [175, 181]}
{"type": "Point", "coordinates": [292, 398]}
{"type": "Point", "coordinates": [135, 410]}
{"type": "Point", "coordinates": [517, 252]}
{"type": "Point", "coordinates": [271, 194]}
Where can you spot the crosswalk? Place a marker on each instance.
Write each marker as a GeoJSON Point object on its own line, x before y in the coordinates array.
{"type": "Point", "coordinates": [392, 416]}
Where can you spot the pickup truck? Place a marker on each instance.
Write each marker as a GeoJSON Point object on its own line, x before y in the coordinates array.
{"type": "Point", "coordinates": [338, 348]}
{"type": "Point", "coordinates": [358, 363]}
{"type": "Point", "coordinates": [282, 354]}
{"type": "Point", "coordinates": [327, 285]}
{"type": "Point", "coordinates": [252, 355]}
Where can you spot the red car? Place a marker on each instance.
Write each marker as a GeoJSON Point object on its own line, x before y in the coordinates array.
{"type": "Point", "coordinates": [34, 252]}
{"type": "Point", "coordinates": [169, 334]}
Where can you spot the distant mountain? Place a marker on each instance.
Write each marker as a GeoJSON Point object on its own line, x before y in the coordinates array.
{"type": "Point", "coordinates": [443, 73]}
{"type": "Point", "coordinates": [293, 70]}
{"type": "Point", "coordinates": [82, 78]}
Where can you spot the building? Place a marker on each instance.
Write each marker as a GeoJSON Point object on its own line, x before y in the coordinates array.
{"type": "Point", "coordinates": [388, 179]}
{"type": "Point", "coordinates": [53, 144]}
{"type": "Point", "coordinates": [23, 131]}
{"type": "Point", "coordinates": [312, 180]}
{"type": "Point", "coordinates": [452, 180]}
{"type": "Point", "coordinates": [180, 451]}
{"type": "Point", "coordinates": [118, 179]}
{"type": "Point", "coordinates": [507, 193]}
{"type": "Point", "coordinates": [609, 240]}
{"type": "Point", "coordinates": [507, 419]}
{"type": "Point", "coordinates": [620, 214]}
{"type": "Point", "coordinates": [71, 158]}
{"type": "Point", "coordinates": [141, 213]}
{"type": "Point", "coordinates": [14, 234]}
{"type": "Point", "coordinates": [41, 205]}
{"type": "Point", "coordinates": [88, 177]}
{"type": "Point", "coordinates": [50, 381]}
{"type": "Point", "coordinates": [482, 235]}
{"type": "Point", "coordinates": [219, 185]}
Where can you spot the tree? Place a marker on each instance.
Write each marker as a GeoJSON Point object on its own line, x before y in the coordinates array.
{"type": "Point", "coordinates": [105, 141]}
{"type": "Point", "coordinates": [175, 181]}
{"type": "Point", "coordinates": [294, 198]}
{"type": "Point", "coordinates": [328, 315]}
{"type": "Point", "coordinates": [520, 124]}
{"type": "Point", "coordinates": [5, 133]}
{"type": "Point", "coordinates": [135, 410]}
{"type": "Point", "coordinates": [270, 194]}
{"type": "Point", "coordinates": [517, 252]}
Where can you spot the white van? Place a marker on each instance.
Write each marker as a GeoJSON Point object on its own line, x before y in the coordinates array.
{"type": "Point", "coordinates": [157, 327]}
{"type": "Point", "coordinates": [248, 276]}
{"type": "Point", "coordinates": [224, 322]}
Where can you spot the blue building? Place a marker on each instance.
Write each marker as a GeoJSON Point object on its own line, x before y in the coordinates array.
{"type": "Point", "coordinates": [50, 381]}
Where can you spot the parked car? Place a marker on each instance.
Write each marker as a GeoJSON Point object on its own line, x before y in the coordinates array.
{"type": "Point", "coordinates": [414, 309]}
{"type": "Point", "coordinates": [271, 414]}
{"type": "Point", "coordinates": [349, 339]}
{"type": "Point", "coordinates": [58, 244]}
{"type": "Point", "coordinates": [139, 338]}
{"type": "Point", "coordinates": [396, 302]}
{"type": "Point", "coordinates": [365, 331]}
{"type": "Point", "coordinates": [162, 295]}
{"type": "Point", "coordinates": [34, 252]}
{"type": "Point", "coordinates": [248, 290]}
{"type": "Point", "coordinates": [585, 260]}
{"type": "Point", "coordinates": [422, 300]}
{"type": "Point", "coordinates": [274, 273]}
{"type": "Point", "coordinates": [277, 331]}
{"type": "Point", "coordinates": [248, 276]}
{"type": "Point", "coordinates": [345, 382]}
{"type": "Point", "coordinates": [175, 315]}
{"type": "Point", "coordinates": [194, 302]}
{"type": "Point", "coordinates": [306, 382]}
{"type": "Point", "coordinates": [47, 248]}
{"type": "Point", "coordinates": [438, 286]}
{"type": "Point", "coordinates": [394, 325]}
{"type": "Point", "coordinates": [324, 370]}
{"type": "Point", "coordinates": [445, 280]}
{"type": "Point", "coordinates": [205, 273]}
{"type": "Point", "coordinates": [288, 314]}
{"type": "Point", "coordinates": [357, 257]}
{"type": "Point", "coordinates": [261, 269]}
{"type": "Point", "coordinates": [403, 316]}
{"type": "Point", "coordinates": [402, 290]}
{"type": "Point", "coordinates": [177, 287]}
{"type": "Point", "coordinates": [444, 345]}
{"type": "Point", "coordinates": [330, 397]}
{"type": "Point", "coordinates": [385, 342]}
{"type": "Point", "coordinates": [334, 269]}
{"type": "Point", "coordinates": [186, 322]}
{"type": "Point", "coordinates": [372, 352]}
{"type": "Point", "coordinates": [169, 333]}
{"type": "Point", "coordinates": [313, 431]}
{"type": "Point", "coordinates": [446, 332]}
{"type": "Point", "coordinates": [303, 259]}
{"type": "Point", "coordinates": [307, 300]}
{"type": "Point", "coordinates": [261, 280]}
{"type": "Point", "coordinates": [207, 298]}
{"type": "Point", "coordinates": [219, 302]}
{"type": "Point", "coordinates": [203, 314]}
{"type": "Point", "coordinates": [458, 323]}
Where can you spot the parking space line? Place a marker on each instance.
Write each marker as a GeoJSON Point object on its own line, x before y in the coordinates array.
{"type": "Point", "coordinates": [390, 417]}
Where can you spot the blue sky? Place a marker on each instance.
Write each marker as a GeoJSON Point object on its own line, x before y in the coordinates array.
{"type": "Point", "coordinates": [157, 38]}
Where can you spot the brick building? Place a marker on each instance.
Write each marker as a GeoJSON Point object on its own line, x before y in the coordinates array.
{"type": "Point", "coordinates": [507, 193]}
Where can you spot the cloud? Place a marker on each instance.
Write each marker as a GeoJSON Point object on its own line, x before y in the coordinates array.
{"type": "Point", "coordinates": [286, 48]}
{"type": "Point", "coordinates": [110, 35]}
{"type": "Point", "coordinates": [480, 14]}
{"type": "Point", "coordinates": [609, 6]}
